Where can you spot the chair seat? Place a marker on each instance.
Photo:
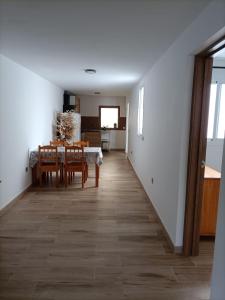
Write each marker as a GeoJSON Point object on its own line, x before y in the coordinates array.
{"type": "Point", "coordinates": [47, 163]}
{"type": "Point", "coordinates": [74, 163]}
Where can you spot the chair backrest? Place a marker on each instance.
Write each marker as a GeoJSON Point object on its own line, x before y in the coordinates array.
{"type": "Point", "coordinates": [56, 143]}
{"type": "Point", "coordinates": [47, 154]}
{"type": "Point", "coordinates": [81, 143]}
{"type": "Point", "coordinates": [74, 154]}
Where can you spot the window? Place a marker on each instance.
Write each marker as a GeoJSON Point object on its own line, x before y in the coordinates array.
{"type": "Point", "coordinates": [221, 118]}
{"type": "Point", "coordinates": [216, 119]}
{"type": "Point", "coordinates": [109, 116]}
{"type": "Point", "coordinates": [140, 111]}
{"type": "Point", "coordinates": [212, 108]}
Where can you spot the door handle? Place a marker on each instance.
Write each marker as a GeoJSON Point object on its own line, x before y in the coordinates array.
{"type": "Point", "coordinates": [202, 164]}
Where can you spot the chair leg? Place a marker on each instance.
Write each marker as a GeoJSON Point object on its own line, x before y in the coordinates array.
{"type": "Point", "coordinates": [40, 178]}
{"type": "Point", "coordinates": [60, 174]}
{"type": "Point", "coordinates": [65, 178]}
{"type": "Point", "coordinates": [83, 177]}
{"type": "Point", "coordinates": [44, 177]}
{"type": "Point", "coordinates": [57, 179]}
{"type": "Point", "coordinates": [85, 174]}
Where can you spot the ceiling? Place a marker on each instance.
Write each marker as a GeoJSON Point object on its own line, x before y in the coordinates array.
{"type": "Point", "coordinates": [120, 39]}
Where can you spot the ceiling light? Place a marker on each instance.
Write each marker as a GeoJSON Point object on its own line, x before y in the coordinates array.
{"type": "Point", "coordinates": [90, 71]}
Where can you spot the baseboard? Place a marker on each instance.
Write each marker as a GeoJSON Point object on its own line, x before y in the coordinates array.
{"type": "Point", "coordinates": [175, 249]}
{"type": "Point", "coordinates": [178, 249]}
{"type": "Point", "coordinates": [117, 149]}
{"type": "Point", "coordinates": [6, 208]}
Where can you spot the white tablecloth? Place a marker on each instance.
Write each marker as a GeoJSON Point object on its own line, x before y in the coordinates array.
{"type": "Point", "coordinates": [92, 154]}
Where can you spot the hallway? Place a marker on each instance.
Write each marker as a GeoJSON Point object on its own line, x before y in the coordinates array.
{"type": "Point", "coordinates": [103, 244]}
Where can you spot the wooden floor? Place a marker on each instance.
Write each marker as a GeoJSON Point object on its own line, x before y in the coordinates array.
{"type": "Point", "coordinates": [95, 244]}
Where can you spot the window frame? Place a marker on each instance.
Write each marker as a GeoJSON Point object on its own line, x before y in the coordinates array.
{"type": "Point", "coordinates": [109, 106]}
{"type": "Point", "coordinates": [140, 115]}
{"type": "Point", "coordinates": [221, 86]}
{"type": "Point", "coordinates": [216, 113]}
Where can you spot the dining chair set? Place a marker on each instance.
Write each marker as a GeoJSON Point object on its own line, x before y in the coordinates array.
{"type": "Point", "coordinates": [74, 161]}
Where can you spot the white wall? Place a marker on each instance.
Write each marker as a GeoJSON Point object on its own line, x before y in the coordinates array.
{"type": "Point", "coordinates": [218, 277]}
{"type": "Point", "coordinates": [27, 107]}
{"type": "Point", "coordinates": [89, 106]}
{"type": "Point", "coordinates": [167, 103]}
{"type": "Point", "coordinates": [214, 151]}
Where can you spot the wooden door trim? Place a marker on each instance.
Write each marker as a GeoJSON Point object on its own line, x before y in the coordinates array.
{"type": "Point", "coordinates": [197, 150]}
{"type": "Point", "coordinates": [197, 145]}
{"type": "Point", "coordinates": [208, 62]}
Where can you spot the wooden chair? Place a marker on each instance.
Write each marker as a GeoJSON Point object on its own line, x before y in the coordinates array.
{"type": "Point", "coordinates": [57, 143]}
{"type": "Point", "coordinates": [81, 143]}
{"type": "Point", "coordinates": [74, 162]}
{"type": "Point", "coordinates": [48, 162]}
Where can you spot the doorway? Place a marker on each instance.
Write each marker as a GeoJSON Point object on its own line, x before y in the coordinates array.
{"type": "Point", "coordinates": [198, 142]}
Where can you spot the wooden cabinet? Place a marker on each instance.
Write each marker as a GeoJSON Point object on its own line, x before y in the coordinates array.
{"type": "Point", "coordinates": [77, 104]}
{"type": "Point", "coordinates": [71, 102]}
{"type": "Point", "coordinates": [211, 188]}
{"type": "Point", "coordinates": [94, 138]}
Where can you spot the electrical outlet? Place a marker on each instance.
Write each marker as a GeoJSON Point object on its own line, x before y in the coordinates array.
{"type": "Point", "coordinates": [26, 169]}
{"type": "Point", "coordinates": [152, 180]}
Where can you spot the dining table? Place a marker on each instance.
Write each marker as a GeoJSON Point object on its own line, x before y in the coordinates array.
{"type": "Point", "coordinates": [93, 155]}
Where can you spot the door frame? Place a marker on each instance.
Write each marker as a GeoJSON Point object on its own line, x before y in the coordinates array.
{"type": "Point", "coordinates": [197, 145]}
{"type": "Point", "coordinates": [127, 127]}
